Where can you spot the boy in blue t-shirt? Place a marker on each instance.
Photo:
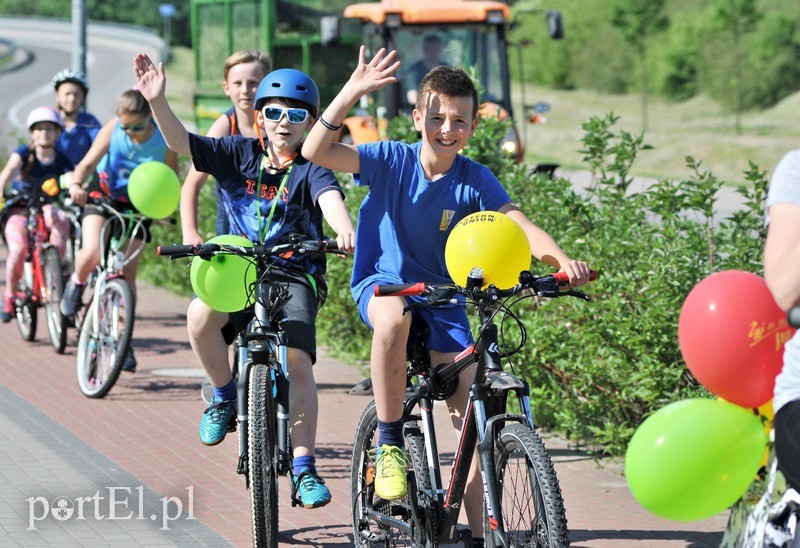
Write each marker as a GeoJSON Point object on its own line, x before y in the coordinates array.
{"type": "Point", "coordinates": [80, 128]}
{"type": "Point", "coordinates": [253, 174]}
{"type": "Point", "coordinates": [417, 194]}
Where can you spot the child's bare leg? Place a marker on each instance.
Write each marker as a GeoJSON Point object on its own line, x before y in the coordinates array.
{"type": "Point", "coordinates": [303, 402]}
{"type": "Point", "coordinates": [388, 355]}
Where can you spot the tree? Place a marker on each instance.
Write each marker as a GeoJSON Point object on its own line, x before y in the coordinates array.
{"type": "Point", "coordinates": [637, 20]}
{"type": "Point", "coordinates": [736, 17]}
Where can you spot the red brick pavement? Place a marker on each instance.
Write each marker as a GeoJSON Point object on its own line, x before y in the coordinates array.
{"type": "Point", "coordinates": [148, 424]}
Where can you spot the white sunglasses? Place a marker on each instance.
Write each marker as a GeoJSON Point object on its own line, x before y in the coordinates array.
{"type": "Point", "coordinates": [294, 115]}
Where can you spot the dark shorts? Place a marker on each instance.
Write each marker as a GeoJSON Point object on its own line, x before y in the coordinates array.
{"type": "Point", "coordinates": [91, 209]}
{"type": "Point", "coordinates": [449, 327]}
{"type": "Point", "coordinates": [787, 442]}
{"type": "Point", "coordinates": [301, 313]}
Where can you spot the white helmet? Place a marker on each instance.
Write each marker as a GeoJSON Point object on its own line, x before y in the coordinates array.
{"type": "Point", "coordinates": [44, 114]}
{"type": "Point", "coordinates": [71, 75]}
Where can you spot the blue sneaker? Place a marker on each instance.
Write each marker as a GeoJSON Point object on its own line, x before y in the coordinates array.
{"type": "Point", "coordinates": [311, 490]}
{"type": "Point", "coordinates": [217, 421]}
{"type": "Point", "coordinates": [71, 299]}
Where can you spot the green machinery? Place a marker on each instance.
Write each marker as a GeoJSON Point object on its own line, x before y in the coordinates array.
{"type": "Point", "coordinates": [308, 35]}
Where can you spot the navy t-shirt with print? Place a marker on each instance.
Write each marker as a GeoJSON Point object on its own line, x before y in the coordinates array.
{"type": "Point", "coordinates": [235, 162]}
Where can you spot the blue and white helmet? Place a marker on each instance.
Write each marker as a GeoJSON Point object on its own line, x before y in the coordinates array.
{"type": "Point", "coordinates": [71, 75]}
{"type": "Point", "coordinates": [288, 84]}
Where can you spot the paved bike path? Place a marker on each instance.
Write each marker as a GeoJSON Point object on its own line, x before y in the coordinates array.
{"type": "Point", "coordinates": [133, 466]}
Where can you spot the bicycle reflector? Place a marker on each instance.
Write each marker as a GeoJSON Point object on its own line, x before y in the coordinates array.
{"type": "Point", "coordinates": [224, 281]}
{"type": "Point", "coordinates": [491, 241]}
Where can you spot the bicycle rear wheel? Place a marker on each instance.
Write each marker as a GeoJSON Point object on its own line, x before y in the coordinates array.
{"type": "Point", "coordinates": [530, 496]}
{"type": "Point", "coordinates": [262, 472]}
{"type": "Point", "coordinates": [102, 348]}
{"type": "Point", "coordinates": [54, 288]}
{"type": "Point", "coordinates": [366, 530]}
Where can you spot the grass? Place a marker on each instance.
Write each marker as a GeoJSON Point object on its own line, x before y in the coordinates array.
{"type": "Point", "coordinates": [699, 128]}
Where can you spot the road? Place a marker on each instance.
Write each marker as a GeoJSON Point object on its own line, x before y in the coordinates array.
{"type": "Point", "coordinates": [110, 51]}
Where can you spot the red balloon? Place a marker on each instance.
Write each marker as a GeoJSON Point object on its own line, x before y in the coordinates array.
{"type": "Point", "coordinates": [731, 335]}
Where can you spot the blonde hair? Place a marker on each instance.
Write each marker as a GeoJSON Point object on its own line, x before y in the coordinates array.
{"type": "Point", "coordinates": [133, 102]}
{"type": "Point", "coordinates": [248, 56]}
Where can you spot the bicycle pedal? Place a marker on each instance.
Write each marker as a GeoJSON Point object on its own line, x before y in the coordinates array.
{"type": "Point", "coordinates": [373, 536]}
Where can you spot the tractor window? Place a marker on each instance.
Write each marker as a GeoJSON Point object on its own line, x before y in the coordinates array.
{"type": "Point", "coordinates": [421, 48]}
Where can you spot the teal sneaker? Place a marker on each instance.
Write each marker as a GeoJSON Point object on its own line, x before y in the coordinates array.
{"type": "Point", "coordinates": [217, 421]}
{"type": "Point", "coordinates": [311, 490]}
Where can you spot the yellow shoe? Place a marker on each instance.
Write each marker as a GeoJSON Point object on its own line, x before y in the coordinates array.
{"type": "Point", "coordinates": [390, 473]}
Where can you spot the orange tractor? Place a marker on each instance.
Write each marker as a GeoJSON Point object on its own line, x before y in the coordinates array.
{"type": "Point", "coordinates": [471, 34]}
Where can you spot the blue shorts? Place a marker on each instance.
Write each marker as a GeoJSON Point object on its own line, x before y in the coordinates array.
{"type": "Point", "coordinates": [449, 327]}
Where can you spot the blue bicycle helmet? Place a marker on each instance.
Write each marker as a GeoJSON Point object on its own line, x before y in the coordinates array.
{"type": "Point", "coordinates": [288, 84]}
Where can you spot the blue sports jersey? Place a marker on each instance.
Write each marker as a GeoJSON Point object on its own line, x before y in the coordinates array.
{"type": "Point", "coordinates": [31, 183]}
{"type": "Point", "coordinates": [404, 221]}
{"type": "Point", "coordinates": [76, 142]}
{"type": "Point", "coordinates": [236, 162]}
{"type": "Point", "coordinates": [123, 157]}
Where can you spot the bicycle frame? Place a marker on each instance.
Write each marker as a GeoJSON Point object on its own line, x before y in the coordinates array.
{"type": "Point", "coordinates": [38, 240]}
{"type": "Point", "coordinates": [477, 426]}
{"type": "Point", "coordinates": [115, 253]}
{"type": "Point", "coordinates": [263, 342]}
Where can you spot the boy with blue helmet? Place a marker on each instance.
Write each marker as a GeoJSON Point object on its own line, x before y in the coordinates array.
{"type": "Point", "coordinates": [270, 191]}
{"type": "Point", "coordinates": [417, 194]}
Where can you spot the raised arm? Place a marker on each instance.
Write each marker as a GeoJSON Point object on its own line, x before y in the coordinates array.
{"type": "Point", "coordinates": [319, 145]}
{"type": "Point", "coordinates": [545, 248]}
{"type": "Point", "coordinates": [152, 82]}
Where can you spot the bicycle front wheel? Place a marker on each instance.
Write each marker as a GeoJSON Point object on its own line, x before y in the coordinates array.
{"type": "Point", "coordinates": [530, 496]}
{"type": "Point", "coordinates": [367, 530]}
{"type": "Point", "coordinates": [102, 347]}
{"type": "Point", "coordinates": [262, 472]}
{"type": "Point", "coordinates": [54, 288]}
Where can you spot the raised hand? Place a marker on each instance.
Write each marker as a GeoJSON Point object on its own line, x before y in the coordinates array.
{"type": "Point", "coordinates": [151, 81]}
{"type": "Point", "coordinates": [371, 76]}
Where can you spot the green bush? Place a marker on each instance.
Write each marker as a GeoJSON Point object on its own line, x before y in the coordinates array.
{"type": "Point", "coordinates": [598, 369]}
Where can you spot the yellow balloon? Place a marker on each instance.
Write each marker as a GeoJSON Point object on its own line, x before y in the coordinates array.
{"type": "Point", "coordinates": [491, 241]}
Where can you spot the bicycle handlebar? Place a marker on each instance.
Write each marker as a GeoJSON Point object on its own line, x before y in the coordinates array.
{"type": "Point", "coordinates": [206, 251]}
{"type": "Point", "coordinates": [544, 285]}
{"type": "Point", "coordinates": [794, 316]}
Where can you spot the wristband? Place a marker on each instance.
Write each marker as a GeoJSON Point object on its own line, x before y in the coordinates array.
{"type": "Point", "coordinates": [329, 125]}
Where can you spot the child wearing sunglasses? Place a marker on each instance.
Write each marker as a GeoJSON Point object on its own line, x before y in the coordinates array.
{"type": "Point", "coordinates": [123, 143]}
{"type": "Point", "coordinates": [243, 71]}
{"type": "Point", "coordinates": [270, 191]}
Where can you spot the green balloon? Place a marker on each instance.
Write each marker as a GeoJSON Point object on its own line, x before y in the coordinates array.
{"type": "Point", "coordinates": [224, 282]}
{"type": "Point", "coordinates": [154, 189]}
{"type": "Point", "coordinates": [694, 458]}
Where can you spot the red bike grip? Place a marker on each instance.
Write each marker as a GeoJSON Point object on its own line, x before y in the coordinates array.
{"type": "Point", "coordinates": [563, 277]}
{"type": "Point", "coordinates": [388, 290]}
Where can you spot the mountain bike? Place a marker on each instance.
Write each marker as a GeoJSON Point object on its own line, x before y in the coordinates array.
{"type": "Point", "coordinates": [523, 503]}
{"type": "Point", "coordinates": [104, 323]}
{"type": "Point", "coordinates": [262, 387]}
{"type": "Point", "coordinates": [42, 283]}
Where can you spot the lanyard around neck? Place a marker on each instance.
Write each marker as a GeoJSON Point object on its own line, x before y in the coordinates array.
{"type": "Point", "coordinates": [263, 230]}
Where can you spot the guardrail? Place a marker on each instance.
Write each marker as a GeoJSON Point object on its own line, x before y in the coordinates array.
{"type": "Point", "coordinates": [118, 31]}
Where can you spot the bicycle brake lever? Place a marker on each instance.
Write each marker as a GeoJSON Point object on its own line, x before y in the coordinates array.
{"type": "Point", "coordinates": [578, 294]}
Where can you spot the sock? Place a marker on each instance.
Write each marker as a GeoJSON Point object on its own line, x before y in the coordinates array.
{"type": "Point", "coordinates": [75, 280]}
{"type": "Point", "coordinates": [477, 542]}
{"type": "Point", "coordinates": [303, 464]}
{"type": "Point", "coordinates": [391, 433]}
{"type": "Point", "coordinates": [225, 393]}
